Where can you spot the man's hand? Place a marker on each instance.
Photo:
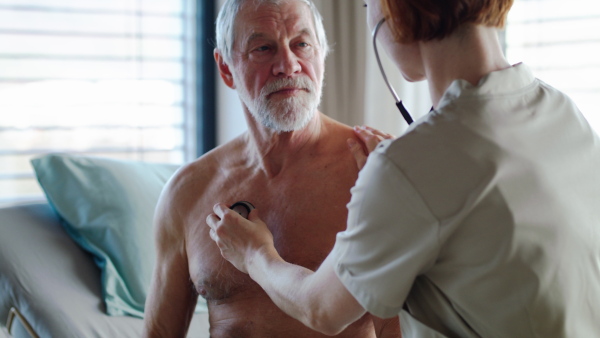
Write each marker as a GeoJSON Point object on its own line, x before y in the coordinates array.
{"type": "Point", "coordinates": [239, 239]}
{"type": "Point", "coordinates": [370, 138]}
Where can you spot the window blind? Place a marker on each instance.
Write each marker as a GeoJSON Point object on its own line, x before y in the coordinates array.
{"type": "Point", "coordinates": [560, 41]}
{"type": "Point", "coordinates": [109, 78]}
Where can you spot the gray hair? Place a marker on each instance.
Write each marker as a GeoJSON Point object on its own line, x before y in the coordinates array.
{"type": "Point", "coordinates": [229, 11]}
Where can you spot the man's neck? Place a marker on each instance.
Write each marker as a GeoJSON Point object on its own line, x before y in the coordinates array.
{"type": "Point", "coordinates": [274, 151]}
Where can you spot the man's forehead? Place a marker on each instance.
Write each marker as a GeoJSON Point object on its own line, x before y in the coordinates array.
{"type": "Point", "coordinates": [266, 19]}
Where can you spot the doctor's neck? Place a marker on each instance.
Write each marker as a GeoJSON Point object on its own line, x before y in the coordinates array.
{"type": "Point", "coordinates": [470, 53]}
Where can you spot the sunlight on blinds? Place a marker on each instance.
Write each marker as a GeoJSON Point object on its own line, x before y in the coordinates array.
{"type": "Point", "coordinates": [560, 41]}
{"type": "Point", "coordinates": [102, 77]}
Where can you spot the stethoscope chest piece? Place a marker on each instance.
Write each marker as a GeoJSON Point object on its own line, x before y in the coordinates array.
{"type": "Point", "coordinates": [242, 207]}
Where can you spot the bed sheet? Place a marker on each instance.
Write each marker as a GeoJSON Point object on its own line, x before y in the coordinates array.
{"type": "Point", "coordinates": [54, 283]}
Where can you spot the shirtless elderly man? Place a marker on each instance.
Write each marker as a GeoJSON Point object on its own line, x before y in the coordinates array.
{"type": "Point", "coordinates": [293, 164]}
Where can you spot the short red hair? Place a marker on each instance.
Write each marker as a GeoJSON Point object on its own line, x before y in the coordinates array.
{"type": "Point", "coordinates": [424, 20]}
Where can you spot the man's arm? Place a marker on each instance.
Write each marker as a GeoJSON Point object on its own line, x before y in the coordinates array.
{"type": "Point", "coordinates": [171, 299]}
{"type": "Point", "coordinates": [318, 299]}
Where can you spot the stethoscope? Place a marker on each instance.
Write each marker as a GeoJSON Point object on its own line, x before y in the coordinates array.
{"type": "Point", "coordinates": [242, 207]}
{"type": "Point", "coordinates": [399, 104]}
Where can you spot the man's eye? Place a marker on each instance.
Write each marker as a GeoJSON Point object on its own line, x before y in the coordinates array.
{"type": "Point", "coordinates": [262, 48]}
{"type": "Point", "coordinates": [303, 44]}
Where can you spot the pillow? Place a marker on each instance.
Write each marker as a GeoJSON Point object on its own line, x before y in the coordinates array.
{"type": "Point", "coordinates": [107, 207]}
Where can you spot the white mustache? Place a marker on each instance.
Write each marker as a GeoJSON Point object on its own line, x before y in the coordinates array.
{"type": "Point", "coordinates": [300, 82]}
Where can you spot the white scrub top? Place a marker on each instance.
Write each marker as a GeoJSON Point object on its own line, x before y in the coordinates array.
{"type": "Point", "coordinates": [483, 219]}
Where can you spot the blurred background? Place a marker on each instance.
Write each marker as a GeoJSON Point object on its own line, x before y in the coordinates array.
{"type": "Point", "coordinates": [135, 79]}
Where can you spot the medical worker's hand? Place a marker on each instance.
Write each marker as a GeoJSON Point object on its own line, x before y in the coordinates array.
{"type": "Point", "coordinates": [370, 138]}
{"type": "Point", "coordinates": [239, 239]}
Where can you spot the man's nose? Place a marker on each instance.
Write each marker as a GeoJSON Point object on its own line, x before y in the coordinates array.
{"type": "Point", "coordinates": [286, 63]}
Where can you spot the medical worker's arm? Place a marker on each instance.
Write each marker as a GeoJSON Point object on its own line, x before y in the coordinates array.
{"type": "Point", "coordinates": [318, 299]}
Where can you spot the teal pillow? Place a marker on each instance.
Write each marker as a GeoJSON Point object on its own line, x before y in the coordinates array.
{"type": "Point", "coordinates": [107, 207]}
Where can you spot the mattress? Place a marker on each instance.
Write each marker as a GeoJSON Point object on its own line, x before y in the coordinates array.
{"type": "Point", "coordinates": [53, 284]}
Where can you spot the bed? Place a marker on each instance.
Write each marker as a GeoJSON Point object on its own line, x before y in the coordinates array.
{"type": "Point", "coordinates": [50, 284]}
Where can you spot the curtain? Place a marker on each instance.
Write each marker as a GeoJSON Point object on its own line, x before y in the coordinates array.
{"type": "Point", "coordinates": [343, 94]}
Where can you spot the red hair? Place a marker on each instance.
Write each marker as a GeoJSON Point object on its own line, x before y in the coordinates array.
{"type": "Point", "coordinates": [424, 20]}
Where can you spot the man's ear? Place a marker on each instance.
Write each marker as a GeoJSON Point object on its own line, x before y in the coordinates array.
{"type": "Point", "coordinates": [224, 70]}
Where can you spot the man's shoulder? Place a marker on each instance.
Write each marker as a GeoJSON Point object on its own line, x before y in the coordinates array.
{"type": "Point", "coordinates": [194, 177]}
{"type": "Point", "coordinates": [190, 174]}
{"type": "Point", "coordinates": [210, 163]}
{"type": "Point", "coordinates": [334, 124]}
{"type": "Point", "coordinates": [336, 132]}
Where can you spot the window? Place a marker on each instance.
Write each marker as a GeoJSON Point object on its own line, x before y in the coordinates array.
{"type": "Point", "coordinates": [560, 41]}
{"type": "Point", "coordinates": [109, 78]}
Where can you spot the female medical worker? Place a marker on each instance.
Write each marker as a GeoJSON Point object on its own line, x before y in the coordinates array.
{"type": "Point", "coordinates": [483, 219]}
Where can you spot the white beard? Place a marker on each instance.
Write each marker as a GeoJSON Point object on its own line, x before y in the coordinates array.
{"type": "Point", "coordinates": [282, 115]}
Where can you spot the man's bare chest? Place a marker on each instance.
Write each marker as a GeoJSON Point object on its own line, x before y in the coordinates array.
{"type": "Point", "coordinates": [303, 215]}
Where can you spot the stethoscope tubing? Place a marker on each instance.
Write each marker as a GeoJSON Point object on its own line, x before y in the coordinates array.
{"type": "Point", "coordinates": [399, 104]}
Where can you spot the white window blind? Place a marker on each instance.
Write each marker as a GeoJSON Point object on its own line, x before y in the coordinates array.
{"type": "Point", "coordinates": [96, 77]}
{"type": "Point", "coordinates": [560, 41]}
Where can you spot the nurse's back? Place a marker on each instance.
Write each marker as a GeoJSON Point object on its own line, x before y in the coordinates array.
{"type": "Point", "coordinates": [514, 180]}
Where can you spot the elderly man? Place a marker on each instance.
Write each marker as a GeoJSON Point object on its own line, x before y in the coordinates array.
{"type": "Point", "coordinates": [293, 162]}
